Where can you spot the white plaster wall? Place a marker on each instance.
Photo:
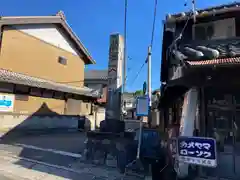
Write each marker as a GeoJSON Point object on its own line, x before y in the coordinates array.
{"type": "Point", "coordinates": [95, 119]}
{"type": "Point", "coordinates": [48, 33]}
{"type": "Point", "coordinates": [100, 116]}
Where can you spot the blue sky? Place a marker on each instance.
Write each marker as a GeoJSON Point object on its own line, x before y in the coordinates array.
{"type": "Point", "coordinates": [94, 20]}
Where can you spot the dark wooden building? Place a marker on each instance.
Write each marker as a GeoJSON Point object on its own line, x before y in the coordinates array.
{"type": "Point", "coordinates": [205, 55]}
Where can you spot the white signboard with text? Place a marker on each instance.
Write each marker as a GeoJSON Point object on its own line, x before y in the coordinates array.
{"type": "Point", "coordinates": [6, 102]}
{"type": "Point", "coordinates": [197, 150]}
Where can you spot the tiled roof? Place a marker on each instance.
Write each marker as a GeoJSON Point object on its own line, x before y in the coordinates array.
{"type": "Point", "coordinates": [18, 78]}
{"type": "Point", "coordinates": [96, 75]}
{"type": "Point", "coordinates": [223, 61]}
{"type": "Point", "coordinates": [224, 47]}
{"type": "Point", "coordinates": [223, 8]}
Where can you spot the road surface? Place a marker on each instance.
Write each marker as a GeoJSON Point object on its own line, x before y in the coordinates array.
{"type": "Point", "coordinates": [50, 156]}
{"type": "Point", "coordinates": [2, 177]}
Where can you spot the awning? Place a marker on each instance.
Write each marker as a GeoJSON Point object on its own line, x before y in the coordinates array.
{"type": "Point", "coordinates": [22, 79]}
{"type": "Point", "coordinates": [213, 62]}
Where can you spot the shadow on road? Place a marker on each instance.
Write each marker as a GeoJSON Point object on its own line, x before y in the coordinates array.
{"type": "Point", "coordinates": [39, 130]}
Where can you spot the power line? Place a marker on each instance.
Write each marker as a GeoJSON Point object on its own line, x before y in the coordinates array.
{"type": "Point", "coordinates": [179, 37]}
{"type": "Point", "coordinates": [152, 39]}
{"type": "Point", "coordinates": [78, 81]}
{"type": "Point", "coordinates": [129, 69]}
{"type": "Point", "coordinates": [154, 22]}
{"type": "Point", "coordinates": [138, 73]}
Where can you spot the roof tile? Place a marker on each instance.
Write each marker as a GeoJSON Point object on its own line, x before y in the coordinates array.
{"type": "Point", "coordinates": [18, 78]}
{"type": "Point", "coordinates": [223, 61]}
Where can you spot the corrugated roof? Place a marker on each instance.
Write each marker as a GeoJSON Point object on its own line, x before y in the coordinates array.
{"type": "Point", "coordinates": [224, 61]}
{"type": "Point", "coordinates": [56, 19]}
{"type": "Point", "coordinates": [96, 75]}
{"type": "Point", "coordinates": [22, 79]}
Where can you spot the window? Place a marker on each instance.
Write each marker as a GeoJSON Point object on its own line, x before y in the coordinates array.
{"type": "Point", "coordinates": [62, 60]}
{"type": "Point", "coordinates": [58, 95]}
{"type": "Point", "coordinates": [47, 93]}
{"type": "Point", "coordinates": [21, 89]}
{"type": "Point", "coordinates": [35, 92]}
{"type": "Point", "coordinates": [6, 87]}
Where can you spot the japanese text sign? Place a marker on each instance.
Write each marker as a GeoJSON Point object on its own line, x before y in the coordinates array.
{"type": "Point", "coordinates": [197, 150]}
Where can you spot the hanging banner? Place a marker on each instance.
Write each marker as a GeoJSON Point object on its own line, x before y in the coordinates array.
{"type": "Point", "coordinates": [6, 102]}
{"type": "Point", "coordinates": [197, 150]}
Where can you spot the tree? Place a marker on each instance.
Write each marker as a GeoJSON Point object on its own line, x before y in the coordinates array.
{"type": "Point", "coordinates": [138, 93]}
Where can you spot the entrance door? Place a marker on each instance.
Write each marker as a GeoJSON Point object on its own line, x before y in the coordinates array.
{"type": "Point", "coordinates": [222, 124]}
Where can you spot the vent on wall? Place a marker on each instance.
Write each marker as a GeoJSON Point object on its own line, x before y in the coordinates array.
{"type": "Point", "coordinates": [62, 60]}
{"type": "Point", "coordinates": [21, 97]}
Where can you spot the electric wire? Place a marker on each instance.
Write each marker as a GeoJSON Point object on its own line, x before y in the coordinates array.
{"type": "Point", "coordinates": [103, 78]}
{"type": "Point", "coordinates": [138, 73]}
{"type": "Point", "coordinates": [152, 38]}
{"type": "Point", "coordinates": [179, 37]}
{"type": "Point", "coordinates": [151, 42]}
{"type": "Point", "coordinates": [154, 22]}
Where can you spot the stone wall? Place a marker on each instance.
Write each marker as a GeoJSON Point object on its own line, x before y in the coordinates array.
{"type": "Point", "coordinates": [17, 122]}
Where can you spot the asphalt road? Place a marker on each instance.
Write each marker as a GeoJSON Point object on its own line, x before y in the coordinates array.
{"type": "Point", "coordinates": [2, 177]}
{"type": "Point", "coordinates": [69, 141]}
{"type": "Point", "coordinates": [64, 150]}
{"type": "Point", "coordinates": [59, 150]}
{"type": "Point", "coordinates": [49, 148]}
{"type": "Point", "coordinates": [39, 155]}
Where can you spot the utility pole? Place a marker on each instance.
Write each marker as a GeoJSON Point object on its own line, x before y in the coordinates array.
{"type": "Point", "coordinates": [194, 10]}
{"type": "Point", "coordinates": [149, 83]}
{"type": "Point", "coordinates": [125, 47]}
{"type": "Point", "coordinates": [124, 63]}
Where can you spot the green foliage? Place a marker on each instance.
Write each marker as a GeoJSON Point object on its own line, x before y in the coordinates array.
{"type": "Point", "coordinates": [138, 93]}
